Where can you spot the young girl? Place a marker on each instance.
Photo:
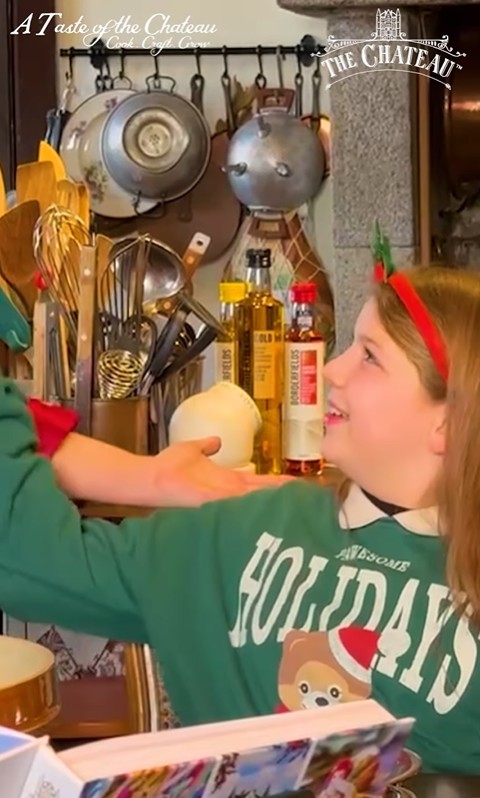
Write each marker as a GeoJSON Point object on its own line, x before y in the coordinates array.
{"type": "Point", "coordinates": [294, 597]}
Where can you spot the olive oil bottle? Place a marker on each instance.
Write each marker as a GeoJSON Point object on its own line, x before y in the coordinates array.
{"type": "Point", "coordinates": [261, 366]}
{"type": "Point", "coordinates": [228, 346]}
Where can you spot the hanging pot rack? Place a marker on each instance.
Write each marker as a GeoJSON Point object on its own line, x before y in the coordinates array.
{"type": "Point", "coordinates": [306, 51]}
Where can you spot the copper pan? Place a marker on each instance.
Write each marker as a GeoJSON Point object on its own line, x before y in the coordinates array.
{"type": "Point", "coordinates": [461, 116]}
{"type": "Point", "coordinates": [212, 208]}
{"type": "Point", "coordinates": [28, 687]}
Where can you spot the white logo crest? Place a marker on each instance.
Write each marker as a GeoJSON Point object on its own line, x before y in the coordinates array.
{"type": "Point", "coordinates": [388, 49]}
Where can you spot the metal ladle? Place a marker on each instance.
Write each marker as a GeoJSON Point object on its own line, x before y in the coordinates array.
{"type": "Point", "coordinates": [166, 285]}
{"type": "Point", "coordinates": [167, 290]}
{"type": "Point", "coordinates": [165, 275]}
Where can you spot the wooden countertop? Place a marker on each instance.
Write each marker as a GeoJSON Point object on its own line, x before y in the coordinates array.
{"type": "Point", "coordinates": [113, 511]}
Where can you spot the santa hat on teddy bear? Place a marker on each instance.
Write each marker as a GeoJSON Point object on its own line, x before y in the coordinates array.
{"type": "Point", "coordinates": [354, 648]}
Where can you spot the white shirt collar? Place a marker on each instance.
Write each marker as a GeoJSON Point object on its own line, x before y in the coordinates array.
{"type": "Point", "coordinates": [357, 510]}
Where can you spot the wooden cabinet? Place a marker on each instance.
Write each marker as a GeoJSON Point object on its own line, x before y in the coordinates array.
{"type": "Point", "coordinates": [27, 83]}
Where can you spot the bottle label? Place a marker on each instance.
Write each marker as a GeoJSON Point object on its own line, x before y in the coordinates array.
{"type": "Point", "coordinates": [265, 365]}
{"type": "Point", "coordinates": [304, 404]}
{"type": "Point", "coordinates": [305, 321]}
{"type": "Point", "coordinates": [225, 365]}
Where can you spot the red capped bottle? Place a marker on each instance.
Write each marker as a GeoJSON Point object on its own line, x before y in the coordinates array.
{"type": "Point", "coordinates": [304, 394]}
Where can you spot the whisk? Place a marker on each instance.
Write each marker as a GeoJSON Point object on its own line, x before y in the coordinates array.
{"type": "Point", "coordinates": [121, 294]}
{"type": "Point", "coordinates": [121, 365]}
{"type": "Point", "coordinates": [58, 237]}
{"type": "Point", "coordinates": [118, 373]}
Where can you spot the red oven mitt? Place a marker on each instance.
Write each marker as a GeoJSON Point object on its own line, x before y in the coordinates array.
{"type": "Point", "coordinates": [52, 424]}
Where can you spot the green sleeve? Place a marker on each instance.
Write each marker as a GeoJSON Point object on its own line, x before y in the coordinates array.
{"type": "Point", "coordinates": [172, 580]}
{"type": "Point", "coordinates": [54, 566]}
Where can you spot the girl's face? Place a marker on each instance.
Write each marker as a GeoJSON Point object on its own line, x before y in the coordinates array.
{"type": "Point", "coordinates": [382, 429]}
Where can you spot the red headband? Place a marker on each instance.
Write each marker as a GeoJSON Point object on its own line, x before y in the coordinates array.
{"type": "Point", "coordinates": [384, 271]}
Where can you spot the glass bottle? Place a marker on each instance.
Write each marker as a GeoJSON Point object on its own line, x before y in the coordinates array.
{"type": "Point", "coordinates": [228, 346]}
{"type": "Point", "coordinates": [304, 400]}
{"type": "Point", "coordinates": [261, 367]}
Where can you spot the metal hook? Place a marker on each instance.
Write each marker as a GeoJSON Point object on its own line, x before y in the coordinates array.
{"type": "Point", "coordinates": [155, 80]}
{"type": "Point", "coordinates": [197, 85]}
{"type": "Point", "coordinates": [122, 78]}
{"type": "Point", "coordinates": [121, 73]}
{"type": "Point", "coordinates": [99, 81]}
{"type": "Point", "coordinates": [196, 53]}
{"type": "Point", "coordinates": [103, 79]}
{"type": "Point", "coordinates": [280, 55]}
{"type": "Point", "coordinates": [298, 80]}
{"type": "Point", "coordinates": [260, 80]}
{"type": "Point", "coordinates": [260, 58]}
{"type": "Point", "coordinates": [109, 82]}
{"type": "Point", "coordinates": [69, 73]}
{"type": "Point", "coordinates": [299, 56]}
{"type": "Point", "coordinates": [225, 61]}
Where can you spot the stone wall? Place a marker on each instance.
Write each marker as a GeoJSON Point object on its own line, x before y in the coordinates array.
{"type": "Point", "coordinates": [373, 176]}
{"type": "Point", "coordinates": [375, 163]}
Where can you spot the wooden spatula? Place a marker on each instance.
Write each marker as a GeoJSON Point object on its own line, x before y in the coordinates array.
{"type": "Point", "coordinates": [47, 153]}
{"type": "Point", "coordinates": [103, 246]}
{"type": "Point", "coordinates": [36, 181]}
{"type": "Point", "coordinates": [84, 204]}
{"type": "Point", "coordinates": [68, 195]}
{"type": "Point", "coordinates": [84, 369]}
{"type": "Point", "coordinates": [3, 195]}
{"type": "Point", "coordinates": [17, 260]}
{"type": "Point", "coordinates": [40, 347]}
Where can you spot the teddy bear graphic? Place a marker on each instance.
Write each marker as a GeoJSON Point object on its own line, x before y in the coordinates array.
{"type": "Point", "coordinates": [318, 669]}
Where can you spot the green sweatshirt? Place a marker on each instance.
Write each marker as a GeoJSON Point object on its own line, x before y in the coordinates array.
{"type": "Point", "coordinates": [251, 604]}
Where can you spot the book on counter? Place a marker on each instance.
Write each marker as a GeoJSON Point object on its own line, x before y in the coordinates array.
{"type": "Point", "coordinates": [339, 751]}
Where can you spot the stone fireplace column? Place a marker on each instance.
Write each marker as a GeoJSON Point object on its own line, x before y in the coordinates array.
{"type": "Point", "coordinates": [373, 170]}
{"type": "Point", "coordinates": [373, 161]}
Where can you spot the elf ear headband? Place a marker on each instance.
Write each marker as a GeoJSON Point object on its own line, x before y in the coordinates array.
{"type": "Point", "coordinates": [384, 271]}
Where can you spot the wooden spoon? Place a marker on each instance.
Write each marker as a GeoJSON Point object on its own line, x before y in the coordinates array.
{"type": "Point", "coordinates": [17, 259]}
{"type": "Point", "coordinates": [47, 153]}
{"type": "Point", "coordinates": [36, 181]}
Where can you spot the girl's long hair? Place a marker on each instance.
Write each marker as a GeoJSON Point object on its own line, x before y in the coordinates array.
{"type": "Point", "coordinates": [453, 299]}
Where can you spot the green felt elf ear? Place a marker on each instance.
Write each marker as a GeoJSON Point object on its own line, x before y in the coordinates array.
{"type": "Point", "coordinates": [377, 242]}
{"type": "Point", "coordinates": [382, 252]}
